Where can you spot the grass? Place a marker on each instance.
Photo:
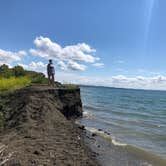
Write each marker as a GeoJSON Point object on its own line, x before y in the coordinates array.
{"type": "Point", "coordinates": [13, 83]}
{"type": "Point", "coordinates": [71, 86]}
{"type": "Point", "coordinates": [39, 80]}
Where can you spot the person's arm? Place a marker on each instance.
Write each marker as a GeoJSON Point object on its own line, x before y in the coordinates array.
{"type": "Point", "coordinates": [48, 66]}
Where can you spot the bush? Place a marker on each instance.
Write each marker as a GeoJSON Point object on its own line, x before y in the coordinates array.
{"type": "Point", "coordinates": [5, 71]}
{"type": "Point", "coordinates": [19, 71]}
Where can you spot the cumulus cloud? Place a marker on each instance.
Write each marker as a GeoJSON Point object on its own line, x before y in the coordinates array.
{"type": "Point", "coordinates": [72, 65]}
{"type": "Point", "coordinates": [37, 66]}
{"type": "Point", "coordinates": [118, 81]}
{"type": "Point", "coordinates": [72, 57]}
{"type": "Point", "coordinates": [7, 57]}
{"type": "Point", "coordinates": [62, 65]}
{"type": "Point", "coordinates": [22, 53]}
{"type": "Point", "coordinates": [69, 56]}
{"type": "Point", "coordinates": [75, 66]}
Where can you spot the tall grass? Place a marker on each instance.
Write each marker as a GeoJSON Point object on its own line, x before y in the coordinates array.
{"type": "Point", "coordinates": [13, 83]}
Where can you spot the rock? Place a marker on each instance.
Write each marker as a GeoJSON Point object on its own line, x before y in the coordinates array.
{"type": "Point", "coordinates": [94, 134]}
{"type": "Point", "coordinates": [36, 152]}
{"type": "Point", "coordinates": [106, 132]}
{"type": "Point", "coordinates": [82, 127]}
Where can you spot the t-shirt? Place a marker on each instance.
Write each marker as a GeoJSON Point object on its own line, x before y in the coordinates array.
{"type": "Point", "coordinates": [50, 68]}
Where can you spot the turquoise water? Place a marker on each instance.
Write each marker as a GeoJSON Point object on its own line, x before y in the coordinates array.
{"type": "Point", "coordinates": [132, 117]}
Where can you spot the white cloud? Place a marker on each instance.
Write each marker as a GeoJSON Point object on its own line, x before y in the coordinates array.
{"type": "Point", "coordinates": [7, 57]}
{"type": "Point", "coordinates": [24, 66]}
{"type": "Point", "coordinates": [37, 66]}
{"type": "Point", "coordinates": [62, 65]}
{"type": "Point", "coordinates": [119, 81]}
{"type": "Point", "coordinates": [98, 64]}
{"type": "Point", "coordinates": [75, 66]}
{"type": "Point", "coordinates": [22, 53]}
{"type": "Point", "coordinates": [73, 55]}
{"type": "Point", "coordinates": [72, 65]}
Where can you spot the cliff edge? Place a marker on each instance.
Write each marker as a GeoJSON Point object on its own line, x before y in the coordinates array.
{"type": "Point", "coordinates": [38, 130]}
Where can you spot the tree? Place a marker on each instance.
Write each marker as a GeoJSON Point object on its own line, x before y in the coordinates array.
{"type": "Point", "coordinates": [18, 71]}
{"type": "Point", "coordinates": [5, 71]}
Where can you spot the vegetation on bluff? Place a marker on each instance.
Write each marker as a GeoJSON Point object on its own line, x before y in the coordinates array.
{"type": "Point", "coordinates": [18, 77]}
{"type": "Point", "coordinates": [13, 83]}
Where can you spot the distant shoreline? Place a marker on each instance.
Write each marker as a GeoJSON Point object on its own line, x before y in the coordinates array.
{"type": "Point", "coordinates": [121, 88]}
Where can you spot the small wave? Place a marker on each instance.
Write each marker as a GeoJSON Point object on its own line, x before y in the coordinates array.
{"type": "Point", "coordinates": [87, 115]}
{"type": "Point", "coordinates": [116, 143]}
{"type": "Point", "coordinates": [100, 132]}
{"type": "Point", "coordinates": [106, 136]}
{"type": "Point", "coordinates": [131, 149]}
{"type": "Point", "coordinates": [92, 108]}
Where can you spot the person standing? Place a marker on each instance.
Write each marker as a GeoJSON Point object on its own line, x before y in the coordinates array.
{"type": "Point", "coordinates": [51, 72]}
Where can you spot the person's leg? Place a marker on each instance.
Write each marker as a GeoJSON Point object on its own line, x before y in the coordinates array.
{"type": "Point", "coordinates": [52, 79]}
{"type": "Point", "coordinates": [49, 79]}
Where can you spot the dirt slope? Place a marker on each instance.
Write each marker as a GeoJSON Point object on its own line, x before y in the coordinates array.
{"type": "Point", "coordinates": [37, 132]}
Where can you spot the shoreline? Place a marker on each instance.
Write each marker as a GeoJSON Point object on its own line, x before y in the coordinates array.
{"type": "Point", "coordinates": [118, 154]}
{"type": "Point", "coordinates": [42, 127]}
{"type": "Point", "coordinates": [135, 123]}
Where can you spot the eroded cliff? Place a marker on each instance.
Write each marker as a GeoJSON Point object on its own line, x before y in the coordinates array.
{"type": "Point", "coordinates": [38, 129]}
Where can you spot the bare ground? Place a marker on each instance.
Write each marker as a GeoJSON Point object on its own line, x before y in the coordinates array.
{"type": "Point", "coordinates": [36, 133]}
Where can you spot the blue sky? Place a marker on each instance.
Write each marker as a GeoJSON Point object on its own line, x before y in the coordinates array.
{"type": "Point", "coordinates": [111, 42]}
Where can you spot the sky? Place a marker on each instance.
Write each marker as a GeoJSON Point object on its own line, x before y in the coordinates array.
{"type": "Point", "coordinates": [113, 43]}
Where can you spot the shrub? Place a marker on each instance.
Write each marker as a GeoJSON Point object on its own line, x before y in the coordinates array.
{"type": "Point", "coordinates": [5, 71]}
{"type": "Point", "coordinates": [18, 71]}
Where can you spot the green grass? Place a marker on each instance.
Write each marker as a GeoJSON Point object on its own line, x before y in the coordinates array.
{"type": "Point", "coordinates": [39, 80]}
{"type": "Point", "coordinates": [13, 83]}
{"type": "Point", "coordinates": [70, 86]}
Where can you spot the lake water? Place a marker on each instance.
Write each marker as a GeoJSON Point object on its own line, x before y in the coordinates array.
{"type": "Point", "coordinates": [134, 118]}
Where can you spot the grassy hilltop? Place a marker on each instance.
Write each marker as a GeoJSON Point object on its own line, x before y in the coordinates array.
{"type": "Point", "coordinates": [18, 77]}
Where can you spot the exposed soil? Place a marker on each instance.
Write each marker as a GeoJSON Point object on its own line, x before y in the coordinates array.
{"type": "Point", "coordinates": [38, 130]}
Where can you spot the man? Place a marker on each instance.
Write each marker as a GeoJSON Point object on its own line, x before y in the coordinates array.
{"type": "Point", "coordinates": [50, 72]}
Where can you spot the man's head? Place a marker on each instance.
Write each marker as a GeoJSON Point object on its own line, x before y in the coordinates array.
{"type": "Point", "coordinates": [50, 60]}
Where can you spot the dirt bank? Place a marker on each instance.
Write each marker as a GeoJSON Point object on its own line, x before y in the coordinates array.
{"type": "Point", "coordinates": [37, 130]}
